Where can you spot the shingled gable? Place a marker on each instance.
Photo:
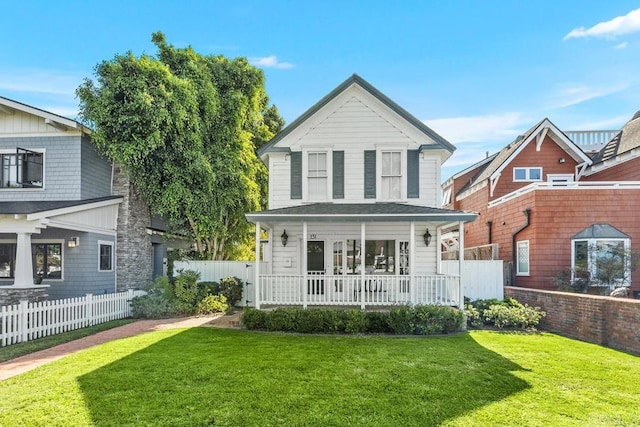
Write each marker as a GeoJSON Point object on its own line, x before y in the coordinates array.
{"type": "Point", "coordinates": [438, 141]}
{"type": "Point", "coordinates": [535, 134]}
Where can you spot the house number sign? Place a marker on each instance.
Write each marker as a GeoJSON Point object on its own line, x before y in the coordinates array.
{"type": "Point", "coordinates": [312, 236]}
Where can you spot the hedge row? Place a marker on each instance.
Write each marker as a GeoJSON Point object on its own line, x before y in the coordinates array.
{"type": "Point", "coordinates": [416, 320]}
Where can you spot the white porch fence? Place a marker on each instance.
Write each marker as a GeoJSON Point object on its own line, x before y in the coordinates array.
{"type": "Point", "coordinates": [28, 321]}
{"type": "Point", "coordinates": [378, 290]}
{"type": "Point", "coordinates": [480, 279]}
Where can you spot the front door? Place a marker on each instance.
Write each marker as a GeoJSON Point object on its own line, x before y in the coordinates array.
{"type": "Point", "coordinates": [315, 267]}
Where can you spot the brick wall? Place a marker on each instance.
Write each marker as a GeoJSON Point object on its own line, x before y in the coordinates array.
{"type": "Point", "coordinates": [614, 322]}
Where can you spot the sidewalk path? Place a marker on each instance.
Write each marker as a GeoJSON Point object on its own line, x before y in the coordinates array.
{"type": "Point", "coordinates": [25, 363]}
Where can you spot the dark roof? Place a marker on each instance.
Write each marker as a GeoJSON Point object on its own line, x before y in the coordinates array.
{"type": "Point", "coordinates": [609, 150]}
{"type": "Point", "coordinates": [626, 140]}
{"type": "Point", "coordinates": [365, 212]}
{"type": "Point", "coordinates": [600, 231]}
{"type": "Point", "coordinates": [43, 206]}
{"type": "Point", "coordinates": [440, 141]}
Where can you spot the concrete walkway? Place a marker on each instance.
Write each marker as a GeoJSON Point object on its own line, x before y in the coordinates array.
{"type": "Point", "coordinates": [25, 363]}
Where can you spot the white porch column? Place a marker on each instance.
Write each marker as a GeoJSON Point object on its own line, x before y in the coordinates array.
{"type": "Point", "coordinates": [438, 250]}
{"type": "Point", "coordinates": [256, 269]}
{"type": "Point", "coordinates": [24, 263]}
{"type": "Point", "coordinates": [362, 262]}
{"type": "Point", "coordinates": [461, 265]}
{"type": "Point", "coordinates": [412, 262]}
{"type": "Point", "coordinates": [304, 265]}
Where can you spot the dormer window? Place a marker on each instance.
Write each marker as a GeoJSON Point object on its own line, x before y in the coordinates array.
{"type": "Point", "coordinates": [22, 169]}
{"type": "Point", "coordinates": [527, 174]}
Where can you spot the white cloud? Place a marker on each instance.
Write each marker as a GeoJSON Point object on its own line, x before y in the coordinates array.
{"type": "Point", "coordinates": [491, 127]}
{"type": "Point", "coordinates": [270, 62]}
{"type": "Point", "coordinates": [608, 124]}
{"type": "Point", "coordinates": [568, 95]}
{"type": "Point", "coordinates": [48, 82]}
{"type": "Point", "coordinates": [618, 26]}
{"type": "Point", "coordinates": [622, 45]}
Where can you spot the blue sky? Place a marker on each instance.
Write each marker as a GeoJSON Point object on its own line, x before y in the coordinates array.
{"type": "Point", "coordinates": [477, 72]}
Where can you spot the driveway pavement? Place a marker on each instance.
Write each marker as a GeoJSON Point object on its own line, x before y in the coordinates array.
{"type": "Point", "coordinates": [25, 363]}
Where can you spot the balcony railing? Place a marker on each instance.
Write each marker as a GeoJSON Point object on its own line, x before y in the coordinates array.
{"type": "Point", "coordinates": [353, 290]}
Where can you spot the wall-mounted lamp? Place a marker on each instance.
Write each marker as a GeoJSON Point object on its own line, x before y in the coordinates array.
{"type": "Point", "coordinates": [427, 237]}
{"type": "Point", "coordinates": [561, 160]}
{"type": "Point", "coordinates": [73, 242]}
{"type": "Point", "coordinates": [284, 238]}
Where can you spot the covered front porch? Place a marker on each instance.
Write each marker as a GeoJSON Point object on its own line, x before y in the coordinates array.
{"type": "Point", "coordinates": [363, 255]}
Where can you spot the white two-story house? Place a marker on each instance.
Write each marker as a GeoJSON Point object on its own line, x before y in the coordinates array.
{"type": "Point", "coordinates": [354, 185]}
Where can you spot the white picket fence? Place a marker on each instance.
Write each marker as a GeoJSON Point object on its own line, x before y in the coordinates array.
{"type": "Point", "coordinates": [28, 321]}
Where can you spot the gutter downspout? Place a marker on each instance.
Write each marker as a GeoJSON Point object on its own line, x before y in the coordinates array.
{"type": "Point", "coordinates": [527, 214]}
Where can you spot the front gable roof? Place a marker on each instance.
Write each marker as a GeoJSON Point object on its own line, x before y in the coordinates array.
{"type": "Point", "coordinates": [437, 141]}
{"type": "Point", "coordinates": [9, 106]}
{"type": "Point", "coordinates": [535, 134]}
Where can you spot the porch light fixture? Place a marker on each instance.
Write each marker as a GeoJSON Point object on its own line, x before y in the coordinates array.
{"type": "Point", "coordinates": [73, 242]}
{"type": "Point", "coordinates": [561, 160]}
{"type": "Point", "coordinates": [284, 238]}
{"type": "Point", "coordinates": [427, 237]}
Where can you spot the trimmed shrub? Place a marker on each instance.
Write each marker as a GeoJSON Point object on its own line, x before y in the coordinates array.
{"type": "Point", "coordinates": [212, 304]}
{"type": "Point", "coordinates": [473, 316]}
{"type": "Point", "coordinates": [254, 319]}
{"type": "Point", "coordinates": [378, 322]}
{"type": "Point", "coordinates": [282, 319]}
{"type": "Point", "coordinates": [425, 320]}
{"type": "Point", "coordinates": [355, 321]}
{"type": "Point", "coordinates": [400, 320]}
{"type": "Point", "coordinates": [231, 288]}
{"type": "Point", "coordinates": [186, 287]}
{"type": "Point", "coordinates": [520, 316]}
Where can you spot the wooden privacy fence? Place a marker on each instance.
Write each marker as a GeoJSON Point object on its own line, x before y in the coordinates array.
{"type": "Point", "coordinates": [480, 279]}
{"type": "Point", "coordinates": [213, 271]}
{"type": "Point", "coordinates": [27, 321]}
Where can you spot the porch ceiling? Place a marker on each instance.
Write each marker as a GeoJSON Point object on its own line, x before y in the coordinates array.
{"type": "Point", "coordinates": [359, 212]}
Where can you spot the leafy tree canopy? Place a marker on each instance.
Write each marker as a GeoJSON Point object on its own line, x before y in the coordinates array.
{"type": "Point", "coordinates": [185, 127]}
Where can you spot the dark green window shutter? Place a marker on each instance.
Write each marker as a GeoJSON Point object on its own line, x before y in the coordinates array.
{"type": "Point", "coordinates": [370, 174]}
{"type": "Point", "coordinates": [338, 174]}
{"type": "Point", "coordinates": [413, 174]}
{"type": "Point", "coordinates": [296, 175]}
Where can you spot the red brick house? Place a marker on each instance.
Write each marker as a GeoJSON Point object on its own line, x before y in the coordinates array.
{"type": "Point", "coordinates": [546, 201]}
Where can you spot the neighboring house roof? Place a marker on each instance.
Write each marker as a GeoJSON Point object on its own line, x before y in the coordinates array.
{"type": "Point", "coordinates": [29, 207]}
{"type": "Point", "coordinates": [626, 140]}
{"type": "Point", "coordinates": [508, 153]}
{"type": "Point", "coordinates": [361, 212]}
{"type": "Point", "coordinates": [59, 122]}
{"type": "Point", "coordinates": [440, 142]}
{"type": "Point", "coordinates": [600, 231]}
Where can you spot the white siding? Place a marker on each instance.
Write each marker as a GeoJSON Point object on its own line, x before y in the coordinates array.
{"type": "Point", "coordinates": [353, 122]}
{"type": "Point", "coordinates": [425, 257]}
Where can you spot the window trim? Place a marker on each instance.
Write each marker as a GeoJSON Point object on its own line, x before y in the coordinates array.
{"type": "Point", "coordinates": [63, 254]}
{"type": "Point", "coordinates": [591, 245]}
{"type": "Point", "coordinates": [42, 151]}
{"type": "Point", "coordinates": [113, 251]}
{"type": "Point", "coordinates": [402, 177]}
{"type": "Point", "coordinates": [305, 174]}
{"type": "Point", "coordinates": [528, 174]}
{"type": "Point", "coordinates": [517, 260]}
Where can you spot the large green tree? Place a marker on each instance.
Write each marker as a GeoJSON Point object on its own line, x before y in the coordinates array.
{"type": "Point", "coordinates": [185, 127]}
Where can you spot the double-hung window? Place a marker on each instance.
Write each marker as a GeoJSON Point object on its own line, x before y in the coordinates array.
{"type": "Point", "coordinates": [21, 169]}
{"type": "Point", "coordinates": [105, 256]}
{"type": "Point", "coordinates": [391, 175]}
{"type": "Point", "coordinates": [317, 176]}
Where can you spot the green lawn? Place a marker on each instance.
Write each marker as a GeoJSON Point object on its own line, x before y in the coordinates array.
{"type": "Point", "coordinates": [205, 376]}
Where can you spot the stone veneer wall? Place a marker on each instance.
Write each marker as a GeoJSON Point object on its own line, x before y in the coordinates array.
{"type": "Point", "coordinates": [134, 261]}
{"type": "Point", "coordinates": [614, 322]}
{"type": "Point", "coordinates": [10, 295]}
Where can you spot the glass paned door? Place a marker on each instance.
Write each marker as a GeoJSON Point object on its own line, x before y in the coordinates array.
{"type": "Point", "coordinates": [315, 267]}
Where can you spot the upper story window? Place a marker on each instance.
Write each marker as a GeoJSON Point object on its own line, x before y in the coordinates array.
{"type": "Point", "coordinates": [317, 176]}
{"type": "Point", "coordinates": [22, 169]}
{"type": "Point", "coordinates": [446, 196]}
{"type": "Point", "coordinates": [527, 174]}
{"type": "Point", "coordinates": [391, 175]}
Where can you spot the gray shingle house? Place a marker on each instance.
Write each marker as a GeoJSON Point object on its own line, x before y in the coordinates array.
{"type": "Point", "coordinates": [70, 223]}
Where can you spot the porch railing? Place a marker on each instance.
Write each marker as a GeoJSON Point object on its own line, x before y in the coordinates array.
{"type": "Point", "coordinates": [350, 290]}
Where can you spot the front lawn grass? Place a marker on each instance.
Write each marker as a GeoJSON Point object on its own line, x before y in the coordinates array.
{"type": "Point", "coordinates": [205, 376]}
